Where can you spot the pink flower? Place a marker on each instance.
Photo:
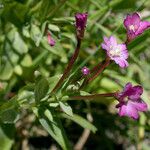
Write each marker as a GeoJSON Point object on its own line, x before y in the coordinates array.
{"type": "Point", "coordinates": [81, 19]}
{"type": "Point", "coordinates": [130, 101]}
{"type": "Point", "coordinates": [135, 26]}
{"type": "Point", "coordinates": [116, 52]}
{"type": "Point", "coordinates": [50, 40]}
{"type": "Point", "coordinates": [85, 71]}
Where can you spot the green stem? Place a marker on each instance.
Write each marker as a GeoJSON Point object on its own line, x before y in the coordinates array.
{"type": "Point", "coordinates": [69, 67]}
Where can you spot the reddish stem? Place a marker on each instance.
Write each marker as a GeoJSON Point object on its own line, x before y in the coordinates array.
{"type": "Point", "coordinates": [69, 66]}
{"type": "Point", "coordinates": [96, 67]}
{"type": "Point", "coordinates": [107, 62]}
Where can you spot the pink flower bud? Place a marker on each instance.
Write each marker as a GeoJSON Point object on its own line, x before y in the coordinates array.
{"type": "Point", "coordinates": [81, 19]}
{"type": "Point", "coordinates": [50, 40]}
{"type": "Point", "coordinates": [85, 71]}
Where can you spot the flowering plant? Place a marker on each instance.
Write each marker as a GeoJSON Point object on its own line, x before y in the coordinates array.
{"type": "Point", "coordinates": [103, 84]}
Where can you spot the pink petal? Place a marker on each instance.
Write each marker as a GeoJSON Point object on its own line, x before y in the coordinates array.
{"type": "Point", "coordinates": [127, 87]}
{"type": "Point", "coordinates": [121, 62]}
{"type": "Point", "coordinates": [124, 51]}
{"type": "Point", "coordinates": [127, 21]}
{"type": "Point", "coordinates": [106, 40]}
{"type": "Point", "coordinates": [133, 19]}
{"type": "Point", "coordinates": [113, 40]}
{"type": "Point", "coordinates": [131, 111]}
{"type": "Point", "coordinates": [139, 105]}
{"type": "Point", "coordinates": [136, 19]}
{"type": "Point", "coordinates": [131, 36]}
{"type": "Point", "coordinates": [128, 110]}
{"type": "Point", "coordinates": [124, 63]}
{"type": "Point", "coordinates": [122, 110]}
{"type": "Point", "coordinates": [136, 92]}
{"type": "Point", "coordinates": [104, 46]}
{"type": "Point", "coordinates": [143, 26]}
{"type": "Point", "coordinates": [124, 54]}
{"type": "Point", "coordinates": [125, 92]}
{"type": "Point", "coordinates": [122, 46]}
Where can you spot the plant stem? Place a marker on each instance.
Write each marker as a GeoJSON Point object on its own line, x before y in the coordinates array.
{"type": "Point", "coordinates": [69, 66]}
{"type": "Point", "coordinates": [107, 62]}
{"type": "Point", "coordinates": [97, 70]}
{"type": "Point", "coordinates": [94, 96]}
{"type": "Point", "coordinates": [97, 67]}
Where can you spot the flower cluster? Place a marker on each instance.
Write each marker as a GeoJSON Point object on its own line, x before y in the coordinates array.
{"type": "Point", "coordinates": [130, 102]}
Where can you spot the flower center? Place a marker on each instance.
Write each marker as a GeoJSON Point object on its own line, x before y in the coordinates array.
{"type": "Point", "coordinates": [132, 28]}
{"type": "Point", "coordinates": [115, 52]}
{"type": "Point", "coordinates": [126, 99]}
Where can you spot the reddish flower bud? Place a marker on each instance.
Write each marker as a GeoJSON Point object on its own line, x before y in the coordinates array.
{"type": "Point", "coordinates": [85, 71]}
{"type": "Point", "coordinates": [81, 19]}
{"type": "Point", "coordinates": [50, 40]}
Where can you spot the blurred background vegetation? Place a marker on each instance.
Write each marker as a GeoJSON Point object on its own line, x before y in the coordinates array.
{"type": "Point", "coordinates": [24, 50]}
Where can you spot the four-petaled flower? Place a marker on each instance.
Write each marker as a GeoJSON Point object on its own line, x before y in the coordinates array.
{"type": "Point", "coordinates": [130, 101]}
{"type": "Point", "coordinates": [116, 52]}
{"type": "Point", "coordinates": [81, 19]}
{"type": "Point", "coordinates": [85, 71]}
{"type": "Point", "coordinates": [135, 26]}
{"type": "Point", "coordinates": [50, 40]}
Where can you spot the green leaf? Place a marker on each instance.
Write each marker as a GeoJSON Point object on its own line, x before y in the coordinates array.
{"type": "Point", "coordinates": [48, 114]}
{"type": "Point", "coordinates": [19, 45]}
{"type": "Point", "coordinates": [43, 27]}
{"type": "Point", "coordinates": [9, 116]}
{"type": "Point", "coordinates": [36, 34]}
{"type": "Point", "coordinates": [66, 108]}
{"type": "Point", "coordinates": [57, 49]}
{"type": "Point", "coordinates": [53, 27]}
{"type": "Point", "coordinates": [11, 104]}
{"type": "Point", "coordinates": [52, 81]}
{"type": "Point", "coordinates": [6, 136]}
{"type": "Point", "coordinates": [54, 105]}
{"type": "Point", "coordinates": [18, 70]}
{"type": "Point", "coordinates": [27, 61]}
{"type": "Point", "coordinates": [41, 89]}
{"type": "Point", "coordinates": [81, 121]}
{"type": "Point", "coordinates": [6, 71]}
{"type": "Point", "coordinates": [53, 126]}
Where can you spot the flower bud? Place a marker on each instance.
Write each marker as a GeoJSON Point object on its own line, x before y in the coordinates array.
{"type": "Point", "coordinates": [85, 71]}
{"type": "Point", "coordinates": [50, 40]}
{"type": "Point", "coordinates": [81, 19]}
